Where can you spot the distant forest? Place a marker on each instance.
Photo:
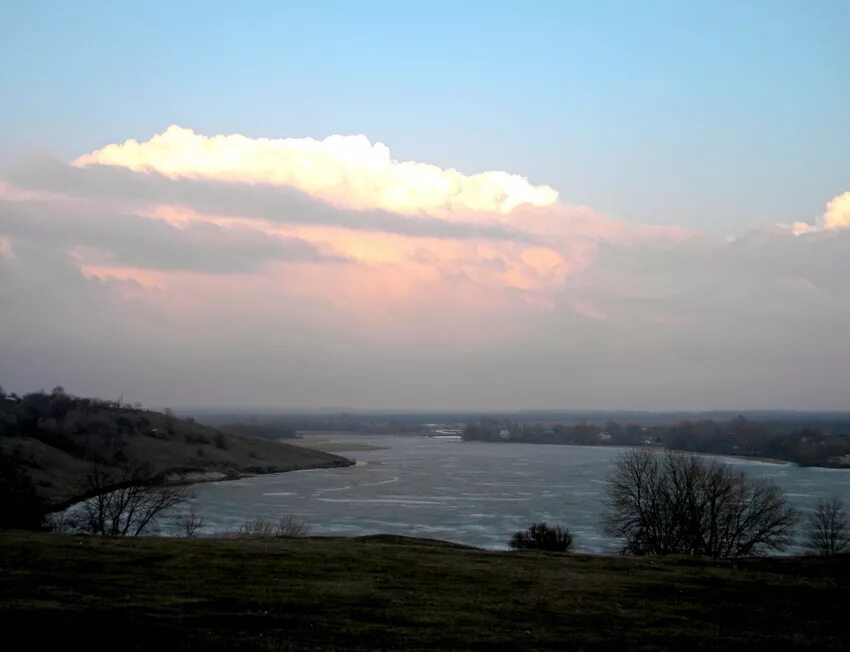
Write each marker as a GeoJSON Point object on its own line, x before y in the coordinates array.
{"type": "Point", "coordinates": [807, 438]}
{"type": "Point", "coordinates": [789, 439]}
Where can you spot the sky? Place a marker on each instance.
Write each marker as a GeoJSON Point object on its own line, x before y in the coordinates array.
{"type": "Point", "coordinates": [393, 205]}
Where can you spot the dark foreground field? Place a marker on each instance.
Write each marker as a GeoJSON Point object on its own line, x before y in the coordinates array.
{"type": "Point", "coordinates": [387, 593]}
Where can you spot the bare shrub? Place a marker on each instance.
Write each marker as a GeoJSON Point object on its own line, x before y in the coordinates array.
{"type": "Point", "coordinates": [63, 522]}
{"type": "Point", "coordinates": [828, 528]}
{"type": "Point", "coordinates": [683, 504]}
{"type": "Point", "coordinates": [542, 537]}
{"type": "Point", "coordinates": [191, 524]}
{"type": "Point", "coordinates": [125, 502]}
{"type": "Point", "coordinates": [265, 528]}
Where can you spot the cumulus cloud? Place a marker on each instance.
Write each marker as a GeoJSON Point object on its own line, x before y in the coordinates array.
{"type": "Point", "coordinates": [531, 249]}
{"type": "Point", "coordinates": [42, 178]}
{"type": "Point", "coordinates": [348, 171]}
{"type": "Point", "coordinates": [837, 215]}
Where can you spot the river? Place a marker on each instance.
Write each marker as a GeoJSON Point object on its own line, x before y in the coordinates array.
{"type": "Point", "coordinates": [468, 492]}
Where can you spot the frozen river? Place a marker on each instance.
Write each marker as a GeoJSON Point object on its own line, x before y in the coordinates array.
{"type": "Point", "coordinates": [469, 492]}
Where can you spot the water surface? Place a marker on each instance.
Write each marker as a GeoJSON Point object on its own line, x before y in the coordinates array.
{"type": "Point", "coordinates": [469, 492]}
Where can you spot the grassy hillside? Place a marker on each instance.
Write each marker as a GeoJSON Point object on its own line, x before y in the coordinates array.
{"type": "Point", "coordinates": [391, 593]}
{"type": "Point", "coordinates": [57, 437]}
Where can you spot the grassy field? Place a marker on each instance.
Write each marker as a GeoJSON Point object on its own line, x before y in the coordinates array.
{"type": "Point", "coordinates": [391, 593]}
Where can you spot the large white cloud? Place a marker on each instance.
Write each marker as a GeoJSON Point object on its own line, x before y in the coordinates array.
{"type": "Point", "coordinates": [532, 249]}
{"type": "Point", "coordinates": [837, 214]}
{"type": "Point", "coordinates": [348, 171]}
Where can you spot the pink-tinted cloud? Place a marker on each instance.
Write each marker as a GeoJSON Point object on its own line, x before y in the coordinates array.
{"type": "Point", "coordinates": [396, 250]}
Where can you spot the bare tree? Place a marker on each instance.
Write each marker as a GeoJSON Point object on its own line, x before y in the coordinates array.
{"type": "Point", "coordinates": [191, 524]}
{"type": "Point", "coordinates": [828, 528]}
{"type": "Point", "coordinates": [126, 502]}
{"type": "Point", "coordinates": [676, 503]}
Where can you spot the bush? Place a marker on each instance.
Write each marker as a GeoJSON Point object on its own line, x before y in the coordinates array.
{"type": "Point", "coordinates": [542, 537]}
{"type": "Point", "coordinates": [265, 528]}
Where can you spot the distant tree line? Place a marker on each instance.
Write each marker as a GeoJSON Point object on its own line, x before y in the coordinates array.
{"type": "Point", "coordinates": [288, 425]}
{"type": "Point", "coordinates": [804, 445]}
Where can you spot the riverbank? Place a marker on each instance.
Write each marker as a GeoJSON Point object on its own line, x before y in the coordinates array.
{"type": "Point", "coordinates": [54, 439]}
{"type": "Point", "coordinates": [199, 477]}
{"type": "Point", "coordinates": [179, 478]}
{"type": "Point", "coordinates": [746, 458]}
{"type": "Point", "coordinates": [382, 593]}
{"type": "Point", "coordinates": [661, 449]}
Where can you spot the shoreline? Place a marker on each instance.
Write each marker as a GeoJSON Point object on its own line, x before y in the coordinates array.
{"type": "Point", "coordinates": [188, 478]}
{"type": "Point", "coordinates": [751, 458]}
{"type": "Point", "coordinates": [202, 477]}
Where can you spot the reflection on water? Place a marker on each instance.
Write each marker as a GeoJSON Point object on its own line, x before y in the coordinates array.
{"type": "Point", "coordinates": [474, 493]}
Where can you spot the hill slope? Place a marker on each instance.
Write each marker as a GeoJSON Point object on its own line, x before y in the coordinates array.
{"type": "Point", "coordinates": [58, 437]}
{"type": "Point", "coordinates": [390, 593]}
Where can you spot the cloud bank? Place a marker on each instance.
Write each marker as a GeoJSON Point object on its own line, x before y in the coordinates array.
{"type": "Point", "coordinates": [204, 270]}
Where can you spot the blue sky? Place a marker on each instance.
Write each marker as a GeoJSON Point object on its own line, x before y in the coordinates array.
{"type": "Point", "coordinates": [701, 114]}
